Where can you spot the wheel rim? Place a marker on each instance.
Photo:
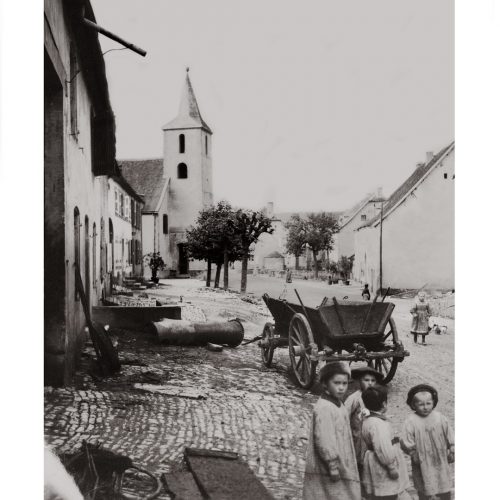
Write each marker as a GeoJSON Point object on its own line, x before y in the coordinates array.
{"type": "Point", "coordinates": [300, 339]}
{"type": "Point", "coordinates": [387, 366]}
{"type": "Point", "coordinates": [267, 352]}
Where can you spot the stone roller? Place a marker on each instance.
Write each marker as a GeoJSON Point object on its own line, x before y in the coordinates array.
{"type": "Point", "coordinates": [183, 332]}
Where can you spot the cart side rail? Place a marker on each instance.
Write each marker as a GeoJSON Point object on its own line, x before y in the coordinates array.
{"type": "Point", "coordinates": [354, 316]}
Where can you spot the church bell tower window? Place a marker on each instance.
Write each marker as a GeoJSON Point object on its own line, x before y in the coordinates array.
{"type": "Point", "coordinates": [182, 171]}
{"type": "Point", "coordinates": [182, 143]}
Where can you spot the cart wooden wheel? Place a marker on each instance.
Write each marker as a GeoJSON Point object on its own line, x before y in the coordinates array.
{"type": "Point", "coordinates": [267, 350]}
{"type": "Point", "coordinates": [301, 343]}
{"type": "Point", "coordinates": [387, 366]}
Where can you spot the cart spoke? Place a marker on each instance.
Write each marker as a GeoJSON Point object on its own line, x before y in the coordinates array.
{"type": "Point", "coordinates": [304, 369]}
{"type": "Point", "coordinates": [296, 338]}
{"type": "Point", "coordinates": [299, 362]}
{"type": "Point", "coordinates": [386, 368]}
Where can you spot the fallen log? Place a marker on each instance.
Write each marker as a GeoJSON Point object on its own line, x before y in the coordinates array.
{"type": "Point", "coordinates": [182, 332]}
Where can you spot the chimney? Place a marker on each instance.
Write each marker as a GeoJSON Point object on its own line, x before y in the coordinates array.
{"type": "Point", "coordinates": [429, 156]}
{"type": "Point", "coordinates": [270, 209]}
{"type": "Point", "coordinates": [379, 192]}
{"type": "Point", "coordinates": [420, 164]}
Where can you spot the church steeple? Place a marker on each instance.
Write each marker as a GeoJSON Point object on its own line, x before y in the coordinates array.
{"type": "Point", "coordinates": [189, 115]}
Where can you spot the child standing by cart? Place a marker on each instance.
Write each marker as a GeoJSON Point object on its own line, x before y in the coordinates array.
{"type": "Point", "coordinates": [427, 437]}
{"type": "Point", "coordinates": [331, 471]}
{"type": "Point", "coordinates": [367, 377]}
{"type": "Point", "coordinates": [421, 313]}
{"type": "Point", "coordinates": [384, 468]}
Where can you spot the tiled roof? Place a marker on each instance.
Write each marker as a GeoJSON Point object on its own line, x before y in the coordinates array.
{"type": "Point", "coordinates": [351, 213]}
{"type": "Point", "coordinates": [146, 178]}
{"type": "Point", "coordinates": [189, 115]}
{"type": "Point", "coordinates": [120, 180]}
{"type": "Point", "coordinates": [406, 188]}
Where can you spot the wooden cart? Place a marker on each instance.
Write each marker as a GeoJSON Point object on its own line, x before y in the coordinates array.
{"type": "Point", "coordinates": [335, 331]}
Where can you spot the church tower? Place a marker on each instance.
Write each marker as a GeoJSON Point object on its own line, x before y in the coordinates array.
{"type": "Point", "coordinates": [187, 165]}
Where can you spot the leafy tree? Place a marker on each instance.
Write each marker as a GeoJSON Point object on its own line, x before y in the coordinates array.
{"type": "Point", "coordinates": [320, 229]}
{"type": "Point", "coordinates": [315, 231]}
{"type": "Point", "coordinates": [212, 239]}
{"type": "Point", "coordinates": [345, 265]}
{"type": "Point", "coordinates": [296, 242]}
{"type": "Point", "coordinates": [248, 226]}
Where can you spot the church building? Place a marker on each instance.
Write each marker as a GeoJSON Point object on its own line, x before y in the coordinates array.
{"type": "Point", "coordinates": [176, 187]}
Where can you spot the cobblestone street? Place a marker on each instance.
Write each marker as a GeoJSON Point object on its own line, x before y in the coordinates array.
{"type": "Point", "coordinates": [167, 398]}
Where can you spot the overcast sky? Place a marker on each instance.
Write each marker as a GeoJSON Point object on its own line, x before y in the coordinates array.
{"type": "Point", "coordinates": [312, 104]}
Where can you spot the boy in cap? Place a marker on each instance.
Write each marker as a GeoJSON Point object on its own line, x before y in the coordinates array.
{"type": "Point", "coordinates": [367, 377]}
{"type": "Point", "coordinates": [331, 470]}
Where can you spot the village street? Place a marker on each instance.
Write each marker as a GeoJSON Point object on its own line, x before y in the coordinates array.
{"type": "Point", "coordinates": [167, 398]}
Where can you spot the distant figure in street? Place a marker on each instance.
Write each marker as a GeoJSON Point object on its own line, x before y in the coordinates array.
{"type": "Point", "coordinates": [365, 293]}
{"type": "Point", "coordinates": [421, 313]}
{"type": "Point", "coordinates": [427, 437]}
{"type": "Point", "coordinates": [367, 377]}
{"type": "Point", "coordinates": [288, 275]}
{"type": "Point", "coordinates": [331, 470]}
{"type": "Point", "coordinates": [384, 468]}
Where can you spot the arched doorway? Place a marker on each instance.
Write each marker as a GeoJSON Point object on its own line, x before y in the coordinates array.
{"type": "Point", "coordinates": [183, 259]}
{"type": "Point", "coordinates": [56, 291]}
{"type": "Point", "coordinates": [76, 241]}
{"type": "Point", "coordinates": [94, 256]}
{"type": "Point", "coordinates": [111, 242]}
{"type": "Point", "coordinates": [87, 260]}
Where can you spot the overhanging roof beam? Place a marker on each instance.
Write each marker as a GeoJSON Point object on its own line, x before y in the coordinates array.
{"type": "Point", "coordinates": [114, 37]}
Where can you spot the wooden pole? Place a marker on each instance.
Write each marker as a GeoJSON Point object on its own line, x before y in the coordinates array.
{"type": "Point", "coordinates": [114, 37]}
{"type": "Point", "coordinates": [381, 221]}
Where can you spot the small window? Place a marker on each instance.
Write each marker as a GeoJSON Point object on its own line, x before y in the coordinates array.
{"type": "Point", "coordinates": [446, 176]}
{"type": "Point", "coordinates": [182, 143]}
{"type": "Point", "coordinates": [138, 216]}
{"type": "Point", "coordinates": [363, 217]}
{"type": "Point", "coordinates": [165, 224]}
{"type": "Point", "coordinates": [206, 145]}
{"type": "Point", "coordinates": [117, 206]}
{"type": "Point", "coordinates": [137, 252]}
{"type": "Point", "coordinates": [122, 207]}
{"type": "Point", "coordinates": [182, 171]}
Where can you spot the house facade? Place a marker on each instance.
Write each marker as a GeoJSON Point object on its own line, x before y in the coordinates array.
{"type": "Point", "coordinates": [125, 235]}
{"type": "Point", "coordinates": [79, 155]}
{"type": "Point", "coordinates": [418, 231]}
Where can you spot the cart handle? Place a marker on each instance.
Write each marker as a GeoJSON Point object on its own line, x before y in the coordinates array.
{"type": "Point", "coordinates": [336, 307]}
{"type": "Point", "coordinates": [303, 307]}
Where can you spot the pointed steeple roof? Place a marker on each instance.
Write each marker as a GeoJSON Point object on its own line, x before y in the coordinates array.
{"type": "Point", "coordinates": [189, 115]}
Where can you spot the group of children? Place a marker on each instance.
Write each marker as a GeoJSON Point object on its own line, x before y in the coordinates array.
{"type": "Point", "coordinates": [352, 452]}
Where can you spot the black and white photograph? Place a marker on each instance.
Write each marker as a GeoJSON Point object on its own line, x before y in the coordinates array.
{"type": "Point", "coordinates": [248, 251]}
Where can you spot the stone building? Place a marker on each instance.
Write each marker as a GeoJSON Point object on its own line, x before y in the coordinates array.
{"type": "Point", "coordinates": [125, 235]}
{"type": "Point", "coordinates": [79, 155]}
{"type": "Point", "coordinates": [418, 234]}
{"type": "Point", "coordinates": [176, 187]}
{"type": "Point", "coordinates": [359, 215]}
